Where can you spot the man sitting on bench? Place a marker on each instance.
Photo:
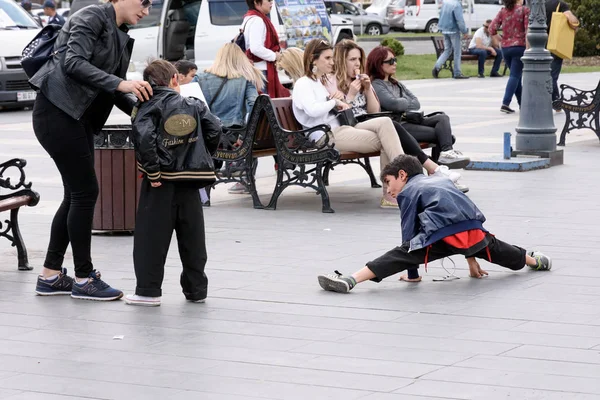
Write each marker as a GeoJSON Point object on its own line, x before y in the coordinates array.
{"type": "Point", "coordinates": [483, 45]}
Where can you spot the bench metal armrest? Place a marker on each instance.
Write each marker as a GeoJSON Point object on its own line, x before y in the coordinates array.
{"type": "Point", "coordinates": [570, 95]}
{"type": "Point", "coordinates": [19, 164]}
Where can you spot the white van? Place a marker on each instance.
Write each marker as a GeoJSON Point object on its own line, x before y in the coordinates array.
{"type": "Point", "coordinates": [423, 15]}
{"type": "Point", "coordinates": [17, 29]}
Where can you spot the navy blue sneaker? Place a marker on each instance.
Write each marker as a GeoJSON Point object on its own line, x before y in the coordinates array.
{"type": "Point", "coordinates": [62, 284]}
{"type": "Point", "coordinates": [95, 289]}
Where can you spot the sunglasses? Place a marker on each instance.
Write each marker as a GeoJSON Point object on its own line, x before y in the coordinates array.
{"type": "Point", "coordinates": [391, 61]}
{"type": "Point", "coordinates": [146, 4]}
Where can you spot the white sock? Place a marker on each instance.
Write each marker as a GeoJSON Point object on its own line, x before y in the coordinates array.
{"type": "Point", "coordinates": [81, 280]}
{"type": "Point", "coordinates": [50, 278]}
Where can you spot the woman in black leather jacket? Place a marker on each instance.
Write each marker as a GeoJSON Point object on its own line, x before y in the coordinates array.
{"type": "Point", "coordinates": [77, 90]}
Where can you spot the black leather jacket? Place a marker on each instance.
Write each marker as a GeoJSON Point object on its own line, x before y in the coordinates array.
{"type": "Point", "coordinates": [95, 62]}
{"type": "Point", "coordinates": [175, 137]}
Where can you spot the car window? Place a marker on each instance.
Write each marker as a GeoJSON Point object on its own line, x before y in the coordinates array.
{"type": "Point", "coordinates": [12, 14]}
{"type": "Point", "coordinates": [428, 2]}
{"type": "Point", "coordinates": [494, 2]}
{"type": "Point", "coordinates": [410, 3]}
{"type": "Point", "coordinates": [227, 13]}
{"type": "Point", "coordinates": [337, 8]}
{"type": "Point", "coordinates": [152, 19]}
{"type": "Point", "coordinates": [350, 9]}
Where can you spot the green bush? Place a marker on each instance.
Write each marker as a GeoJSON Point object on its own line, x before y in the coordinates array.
{"type": "Point", "coordinates": [395, 45]}
{"type": "Point", "coordinates": [587, 38]}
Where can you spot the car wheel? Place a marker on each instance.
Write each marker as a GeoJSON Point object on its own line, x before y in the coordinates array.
{"type": "Point", "coordinates": [343, 36]}
{"type": "Point", "coordinates": [432, 26]}
{"type": "Point", "coordinates": [373, 30]}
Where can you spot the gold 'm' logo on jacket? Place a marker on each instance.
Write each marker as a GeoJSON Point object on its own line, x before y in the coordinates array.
{"type": "Point", "coordinates": [180, 125]}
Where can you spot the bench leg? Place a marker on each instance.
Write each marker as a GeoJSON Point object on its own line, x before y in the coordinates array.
{"type": "Point", "coordinates": [369, 170]}
{"type": "Point", "coordinates": [326, 205]}
{"type": "Point", "coordinates": [17, 241]}
{"type": "Point", "coordinates": [565, 130]}
{"type": "Point", "coordinates": [597, 120]}
{"type": "Point", "coordinates": [326, 170]}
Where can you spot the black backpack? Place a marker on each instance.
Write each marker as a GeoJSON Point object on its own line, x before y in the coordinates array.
{"type": "Point", "coordinates": [41, 49]}
{"type": "Point", "coordinates": [239, 38]}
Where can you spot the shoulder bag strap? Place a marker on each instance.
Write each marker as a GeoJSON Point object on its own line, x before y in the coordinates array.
{"type": "Point", "coordinates": [218, 92]}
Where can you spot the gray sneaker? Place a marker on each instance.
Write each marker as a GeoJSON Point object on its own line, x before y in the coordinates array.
{"type": "Point", "coordinates": [453, 159]}
{"type": "Point", "coordinates": [337, 282]}
{"type": "Point", "coordinates": [544, 263]}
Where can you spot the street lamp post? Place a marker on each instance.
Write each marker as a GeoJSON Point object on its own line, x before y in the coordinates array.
{"type": "Point", "coordinates": [536, 132]}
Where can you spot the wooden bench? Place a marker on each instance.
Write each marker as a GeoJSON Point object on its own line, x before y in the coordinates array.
{"type": "Point", "coordinates": [581, 107]}
{"type": "Point", "coordinates": [273, 130]}
{"type": "Point", "coordinates": [20, 195]}
{"type": "Point", "coordinates": [438, 44]}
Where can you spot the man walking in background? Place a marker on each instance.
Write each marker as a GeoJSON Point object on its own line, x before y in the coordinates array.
{"type": "Point", "coordinates": [451, 24]}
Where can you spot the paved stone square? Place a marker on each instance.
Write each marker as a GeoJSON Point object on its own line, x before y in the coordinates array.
{"type": "Point", "coordinates": [267, 330]}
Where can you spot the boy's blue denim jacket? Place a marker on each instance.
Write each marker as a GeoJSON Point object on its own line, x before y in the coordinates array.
{"type": "Point", "coordinates": [235, 100]}
{"type": "Point", "coordinates": [432, 208]}
{"type": "Point", "coordinates": [451, 17]}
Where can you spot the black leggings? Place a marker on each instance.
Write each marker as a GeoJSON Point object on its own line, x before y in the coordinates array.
{"type": "Point", "coordinates": [409, 143]}
{"type": "Point", "coordinates": [435, 129]}
{"type": "Point", "coordinates": [70, 143]}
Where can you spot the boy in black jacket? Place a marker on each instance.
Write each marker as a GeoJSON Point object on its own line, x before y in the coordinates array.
{"type": "Point", "coordinates": [174, 139]}
{"type": "Point", "coordinates": [437, 221]}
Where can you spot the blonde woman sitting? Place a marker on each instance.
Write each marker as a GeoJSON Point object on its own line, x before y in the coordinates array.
{"type": "Point", "coordinates": [230, 88]}
{"type": "Point", "coordinates": [312, 105]}
{"type": "Point", "coordinates": [292, 63]}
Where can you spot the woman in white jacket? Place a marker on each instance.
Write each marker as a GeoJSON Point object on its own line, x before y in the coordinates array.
{"type": "Point", "coordinates": [313, 105]}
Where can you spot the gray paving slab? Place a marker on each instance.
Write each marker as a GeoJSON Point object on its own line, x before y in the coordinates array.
{"type": "Point", "coordinates": [268, 331]}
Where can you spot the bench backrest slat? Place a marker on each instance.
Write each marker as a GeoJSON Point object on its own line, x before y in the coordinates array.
{"type": "Point", "coordinates": [285, 114]}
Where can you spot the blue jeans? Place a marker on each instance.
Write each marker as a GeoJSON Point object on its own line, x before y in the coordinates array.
{"type": "Point", "coordinates": [483, 54]}
{"type": "Point", "coordinates": [512, 57]}
{"type": "Point", "coordinates": [451, 43]}
{"type": "Point", "coordinates": [555, 68]}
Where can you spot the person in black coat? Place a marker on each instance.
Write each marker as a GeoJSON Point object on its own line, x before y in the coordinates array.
{"type": "Point", "coordinates": [76, 91]}
{"type": "Point", "coordinates": [174, 138]}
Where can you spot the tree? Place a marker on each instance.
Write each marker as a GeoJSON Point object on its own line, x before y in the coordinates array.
{"type": "Point", "coordinates": [587, 38]}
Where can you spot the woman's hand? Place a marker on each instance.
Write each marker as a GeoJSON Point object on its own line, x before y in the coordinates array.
{"type": "Point", "coordinates": [141, 89]}
{"type": "Point", "coordinates": [354, 89]}
{"type": "Point", "coordinates": [365, 82]}
{"type": "Point", "coordinates": [341, 105]}
{"type": "Point", "coordinates": [338, 96]}
{"type": "Point", "coordinates": [155, 184]}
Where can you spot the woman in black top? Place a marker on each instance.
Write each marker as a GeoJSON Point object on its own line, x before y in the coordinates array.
{"type": "Point", "coordinates": [77, 90]}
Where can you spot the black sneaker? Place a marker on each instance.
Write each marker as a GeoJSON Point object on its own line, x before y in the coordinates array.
{"type": "Point", "coordinates": [435, 72]}
{"type": "Point", "coordinates": [461, 76]}
{"type": "Point", "coordinates": [336, 282]}
{"type": "Point", "coordinates": [481, 76]}
{"type": "Point", "coordinates": [62, 284]}
{"type": "Point", "coordinates": [506, 109]}
{"type": "Point", "coordinates": [95, 289]}
{"type": "Point", "coordinates": [495, 75]}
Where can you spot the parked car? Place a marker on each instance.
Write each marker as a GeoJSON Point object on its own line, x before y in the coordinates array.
{"type": "Point", "coordinates": [17, 29]}
{"type": "Point", "coordinates": [395, 14]}
{"type": "Point", "coordinates": [196, 29]}
{"type": "Point", "coordinates": [423, 15]}
{"type": "Point", "coordinates": [364, 23]}
{"type": "Point", "coordinates": [378, 7]}
{"type": "Point", "coordinates": [63, 12]}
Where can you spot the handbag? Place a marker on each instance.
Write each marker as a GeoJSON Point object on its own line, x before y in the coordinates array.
{"type": "Point", "coordinates": [346, 117]}
{"type": "Point", "coordinates": [414, 117]}
{"type": "Point", "coordinates": [41, 49]}
{"type": "Point", "coordinates": [561, 37]}
{"type": "Point", "coordinates": [239, 38]}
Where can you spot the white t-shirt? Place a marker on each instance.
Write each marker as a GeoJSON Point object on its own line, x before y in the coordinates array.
{"type": "Point", "coordinates": [255, 34]}
{"type": "Point", "coordinates": [311, 107]}
{"type": "Point", "coordinates": [485, 39]}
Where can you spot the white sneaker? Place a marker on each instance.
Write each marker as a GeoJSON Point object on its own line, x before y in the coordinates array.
{"type": "Point", "coordinates": [135, 300]}
{"type": "Point", "coordinates": [444, 171]}
{"type": "Point", "coordinates": [453, 159]}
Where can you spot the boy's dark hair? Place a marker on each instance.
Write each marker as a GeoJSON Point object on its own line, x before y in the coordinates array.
{"type": "Point", "coordinates": [184, 66]}
{"type": "Point", "coordinates": [408, 164]}
{"type": "Point", "coordinates": [159, 73]}
{"type": "Point", "coordinates": [251, 5]}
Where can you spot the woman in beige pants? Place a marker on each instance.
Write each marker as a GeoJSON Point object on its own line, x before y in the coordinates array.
{"type": "Point", "coordinates": [313, 106]}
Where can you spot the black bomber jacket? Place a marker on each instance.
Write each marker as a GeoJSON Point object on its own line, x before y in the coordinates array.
{"type": "Point", "coordinates": [175, 138]}
{"type": "Point", "coordinates": [96, 60]}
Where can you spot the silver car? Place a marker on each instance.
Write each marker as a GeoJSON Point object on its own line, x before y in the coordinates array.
{"type": "Point", "coordinates": [395, 14]}
{"type": "Point", "coordinates": [363, 22]}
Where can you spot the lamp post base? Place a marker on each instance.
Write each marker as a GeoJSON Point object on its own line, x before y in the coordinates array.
{"type": "Point", "coordinates": [556, 157]}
